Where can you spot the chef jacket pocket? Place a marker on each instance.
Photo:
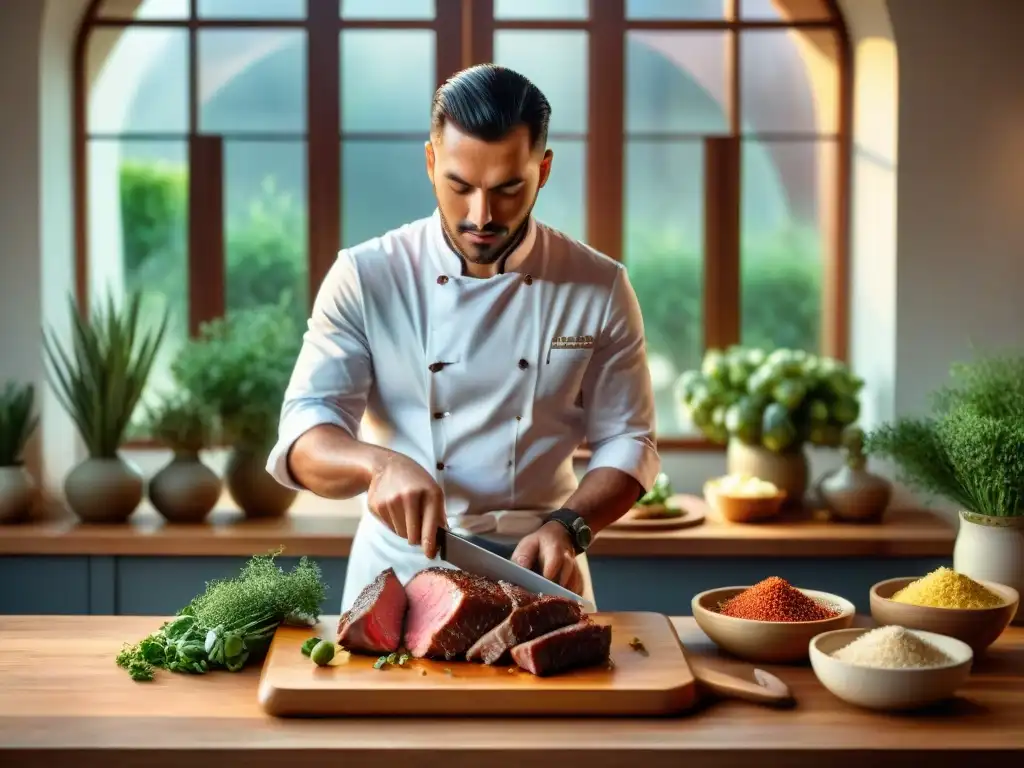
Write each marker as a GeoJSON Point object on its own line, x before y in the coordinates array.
{"type": "Point", "coordinates": [560, 379]}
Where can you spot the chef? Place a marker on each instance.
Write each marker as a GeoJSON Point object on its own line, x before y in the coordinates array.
{"type": "Point", "coordinates": [452, 366]}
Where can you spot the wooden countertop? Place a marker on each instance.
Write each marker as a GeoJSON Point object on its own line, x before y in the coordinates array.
{"type": "Point", "coordinates": [63, 701]}
{"type": "Point", "coordinates": [321, 528]}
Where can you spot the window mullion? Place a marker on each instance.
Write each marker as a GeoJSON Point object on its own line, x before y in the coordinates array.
{"type": "Point", "coordinates": [721, 241]}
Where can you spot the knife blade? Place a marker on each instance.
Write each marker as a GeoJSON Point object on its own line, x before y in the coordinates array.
{"type": "Point", "coordinates": [464, 554]}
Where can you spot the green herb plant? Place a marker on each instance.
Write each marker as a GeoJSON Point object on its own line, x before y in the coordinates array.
{"type": "Point", "coordinates": [100, 380]}
{"type": "Point", "coordinates": [17, 421]}
{"type": "Point", "coordinates": [970, 449]}
{"type": "Point", "coordinates": [231, 622]}
{"type": "Point", "coordinates": [660, 492]}
{"type": "Point", "coordinates": [182, 422]}
{"type": "Point", "coordinates": [779, 400]}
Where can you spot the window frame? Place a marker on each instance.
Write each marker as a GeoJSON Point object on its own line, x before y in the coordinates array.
{"type": "Point", "coordinates": [472, 23]}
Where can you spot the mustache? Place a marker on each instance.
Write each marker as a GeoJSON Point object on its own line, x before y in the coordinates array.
{"type": "Point", "coordinates": [488, 229]}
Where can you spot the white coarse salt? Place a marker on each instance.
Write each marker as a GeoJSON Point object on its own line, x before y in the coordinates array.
{"type": "Point", "coordinates": [891, 647]}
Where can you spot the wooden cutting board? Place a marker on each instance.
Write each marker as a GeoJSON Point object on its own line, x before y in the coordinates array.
{"type": "Point", "coordinates": [656, 683]}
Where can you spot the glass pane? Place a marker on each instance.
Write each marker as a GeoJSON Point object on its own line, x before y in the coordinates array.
{"type": "Point", "coordinates": [138, 80]}
{"type": "Point", "coordinates": [387, 80]}
{"type": "Point", "coordinates": [251, 9]}
{"type": "Point", "coordinates": [785, 10]}
{"type": "Point", "coordinates": [138, 234]}
{"type": "Point", "coordinates": [265, 225]}
{"type": "Point", "coordinates": [392, 9]}
{"type": "Point", "coordinates": [677, 9]}
{"type": "Point", "coordinates": [541, 9]}
{"type": "Point", "coordinates": [789, 81]}
{"type": "Point", "coordinates": [384, 185]}
{"type": "Point", "coordinates": [143, 9]}
{"type": "Point", "coordinates": [787, 227]}
{"type": "Point", "coordinates": [562, 202]}
{"type": "Point", "coordinates": [252, 81]}
{"type": "Point", "coordinates": [557, 64]}
{"type": "Point", "coordinates": [677, 82]}
{"type": "Point", "coordinates": [664, 251]}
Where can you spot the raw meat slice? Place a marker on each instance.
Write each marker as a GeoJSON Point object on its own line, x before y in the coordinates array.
{"type": "Point", "coordinates": [524, 623]}
{"type": "Point", "coordinates": [374, 622]}
{"type": "Point", "coordinates": [449, 610]}
{"type": "Point", "coordinates": [585, 644]}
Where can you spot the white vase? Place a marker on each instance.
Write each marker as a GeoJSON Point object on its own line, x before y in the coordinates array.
{"type": "Point", "coordinates": [992, 549]}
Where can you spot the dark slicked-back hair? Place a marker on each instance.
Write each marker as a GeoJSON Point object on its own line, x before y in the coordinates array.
{"type": "Point", "coordinates": [488, 101]}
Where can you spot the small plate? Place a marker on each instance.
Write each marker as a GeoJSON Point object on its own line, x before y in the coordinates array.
{"type": "Point", "coordinates": [690, 506]}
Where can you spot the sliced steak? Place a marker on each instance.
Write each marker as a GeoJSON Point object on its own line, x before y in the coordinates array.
{"type": "Point", "coordinates": [449, 610]}
{"type": "Point", "coordinates": [584, 644]}
{"type": "Point", "coordinates": [524, 623]}
{"type": "Point", "coordinates": [518, 595]}
{"type": "Point", "coordinates": [374, 622]}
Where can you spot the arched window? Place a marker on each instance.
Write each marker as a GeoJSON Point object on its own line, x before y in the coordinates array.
{"type": "Point", "coordinates": [228, 148]}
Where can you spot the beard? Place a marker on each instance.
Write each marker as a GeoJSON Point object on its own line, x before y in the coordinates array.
{"type": "Point", "coordinates": [485, 254]}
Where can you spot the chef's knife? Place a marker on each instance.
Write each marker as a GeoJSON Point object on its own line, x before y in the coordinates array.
{"type": "Point", "coordinates": [469, 557]}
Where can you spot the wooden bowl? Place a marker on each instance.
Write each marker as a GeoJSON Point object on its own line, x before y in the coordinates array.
{"type": "Point", "coordinates": [889, 689]}
{"type": "Point", "coordinates": [771, 642]}
{"type": "Point", "coordinates": [743, 509]}
{"type": "Point", "coordinates": [978, 627]}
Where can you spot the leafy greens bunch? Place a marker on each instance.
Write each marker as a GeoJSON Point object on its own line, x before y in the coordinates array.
{"type": "Point", "coordinates": [231, 622]}
{"type": "Point", "coordinates": [971, 449]}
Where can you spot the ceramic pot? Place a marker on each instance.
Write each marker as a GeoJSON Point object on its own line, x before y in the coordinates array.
{"type": "Point", "coordinates": [787, 471]}
{"type": "Point", "coordinates": [855, 495]}
{"type": "Point", "coordinates": [17, 492]}
{"type": "Point", "coordinates": [991, 549]}
{"type": "Point", "coordinates": [254, 490]}
{"type": "Point", "coordinates": [185, 490]}
{"type": "Point", "coordinates": [104, 490]}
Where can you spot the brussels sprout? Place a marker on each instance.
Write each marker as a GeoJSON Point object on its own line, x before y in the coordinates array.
{"type": "Point", "coordinates": [778, 432]}
{"type": "Point", "coordinates": [790, 393]}
{"type": "Point", "coordinates": [818, 411]}
{"type": "Point", "coordinates": [743, 420]}
{"type": "Point", "coordinates": [715, 367]}
{"type": "Point", "coordinates": [761, 381]}
{"type": "Point", "coordinates": [845, 410]}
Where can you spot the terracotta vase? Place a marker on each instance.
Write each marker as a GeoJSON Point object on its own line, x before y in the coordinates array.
{"type": "Point", "coordinates": [185, 490]}
{"type": "Point", "coordinates": [17, 493]}
{"type": "Point", "coordinates": [254, 490]}
{"type": "Point", "coordinates": [104, 490]}
{"type": "Point", "coordinates": [787, 470]}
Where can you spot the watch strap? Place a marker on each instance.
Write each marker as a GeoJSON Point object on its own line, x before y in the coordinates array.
{"type": "Point", "coordinates": [568, 519]}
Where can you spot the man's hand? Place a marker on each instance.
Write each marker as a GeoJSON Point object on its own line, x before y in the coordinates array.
{"type": "Point", "coordinates": [548, 551]}
{"type": "Point", "coordinates": [409, 501]}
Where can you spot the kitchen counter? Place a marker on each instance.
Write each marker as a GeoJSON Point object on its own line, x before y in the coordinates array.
{"type": "Point", "coordinates": [63, 701]}
{"type": "Point", "coordinates": [319, 528]}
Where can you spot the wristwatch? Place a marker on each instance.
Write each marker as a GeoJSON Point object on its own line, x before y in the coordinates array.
{"type": "Point", "coordinates": [579, 532]}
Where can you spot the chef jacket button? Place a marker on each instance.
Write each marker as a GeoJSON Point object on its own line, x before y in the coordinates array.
{"type": "Point", "coordinates": [440, 414]}
{"type": "Point", "coordinates": [510, 462]}
{"type": "Point", "coordinates": [442, 280]}
{"type": "Point", "coordinates": [519, 418]}
{"type": "Point", "coordinates": [440, 465]}
{"type": "Point", "coordinates": [523, 364]}
{"type": "Point", "coordinates": [528, 280]}
{"type": "Point", "coordinates": [435, 367]}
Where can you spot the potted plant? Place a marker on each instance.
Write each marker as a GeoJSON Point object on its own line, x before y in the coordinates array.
{"type": "Point", "coordinates": [240, 365]}
{"type": "Point", "coordinates": [99, 383]}
{"type": "Point", "coordinates": [185, 489]}
{"type": "Point", "coordinates": [852, 493]}
{"type": "Point", "coordinates": [767, 406]}
{"type": "Point", "coordinates": [970, 450]}
{"type": "Point", "coordinates": [17, 422]}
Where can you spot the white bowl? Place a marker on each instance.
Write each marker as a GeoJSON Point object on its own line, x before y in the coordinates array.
{"type": "Point", "coordinates": [890, 689]}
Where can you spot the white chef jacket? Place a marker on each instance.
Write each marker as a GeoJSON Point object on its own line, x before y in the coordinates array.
{"type": "Point", "coordinates": [489, 384]}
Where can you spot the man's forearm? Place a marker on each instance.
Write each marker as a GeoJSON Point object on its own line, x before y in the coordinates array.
{"type": "Point", "coordinates": [604, 495]}
{"type": "Point", "coordinates": [332, 464]}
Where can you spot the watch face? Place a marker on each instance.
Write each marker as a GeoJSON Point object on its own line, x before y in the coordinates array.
{"type": "Point", "coordinates": [583, 534]}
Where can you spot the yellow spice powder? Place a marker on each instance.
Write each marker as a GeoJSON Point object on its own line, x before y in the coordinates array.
{"type": "Point", "coordinates": [945, 588]}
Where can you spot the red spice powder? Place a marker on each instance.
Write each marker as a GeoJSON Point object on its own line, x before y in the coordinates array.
{"type": "Point", "coordinates": [775, 600]}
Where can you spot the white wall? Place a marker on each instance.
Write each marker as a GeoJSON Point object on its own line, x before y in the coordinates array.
{"type": "Point", "coordinates": [937, 250]}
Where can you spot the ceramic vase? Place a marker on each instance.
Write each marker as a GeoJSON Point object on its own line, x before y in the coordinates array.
{"type": "Point", "coordinates": [17, 492]}
{"type": "Point", "coordinates": [787, 470]}
{"type": "Point", "coordinates": [992, 549]}
{"type": "Point", "coordinates": [185, 490]}
{"type": "Point", "coordinates": [854, 495]}
{"type": "Point", "coordinates": [104, 490]}
{"type": "Point", "coordinates": [253, 489]}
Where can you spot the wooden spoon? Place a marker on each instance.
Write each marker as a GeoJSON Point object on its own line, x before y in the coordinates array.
{"type": "Point", "coordinates": [766, 689]}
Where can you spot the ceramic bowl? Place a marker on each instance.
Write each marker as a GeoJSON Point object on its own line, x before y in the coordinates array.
{"type": "Point", "coordinates": [889, 689]}
{"type": "Point", "coordinates": [778, 642]}
{"type": "Point", "coordinates": [978, 627]}
{"type": "Point", "coordinates": [743, 509]}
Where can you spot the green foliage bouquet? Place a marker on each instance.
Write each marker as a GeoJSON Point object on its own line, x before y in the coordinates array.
{"type": "Point", "coordinates": [970, 450]}
{"type": "Point", "coordinates": [240, 366]}
{"type": "Point", "coordinates": [17, 421]}
{"type": "Point", "coordinates": [778, 400]}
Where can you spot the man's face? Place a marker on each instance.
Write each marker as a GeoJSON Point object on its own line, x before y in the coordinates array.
{"type": "Point", "coordinates": [485, 190]}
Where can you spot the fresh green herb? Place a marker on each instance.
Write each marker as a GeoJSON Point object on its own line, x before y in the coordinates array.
{"type": "Point", "coordinates": [403, 659]}
{"type": "Point", "coordinates": [660, 492]}
{"type": "Point", "coordinates": [637, 645]}
{"type": "Point", "coordinates": [379, 663]}
{"type": "Point", "coordinates": [309, 645]}
{"type": "Point", "coordinates": [232, 621]}
{"type": "Point", "coordinates": [322, 653]}
{"type": "Point", "coordinates": [17, 421]}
